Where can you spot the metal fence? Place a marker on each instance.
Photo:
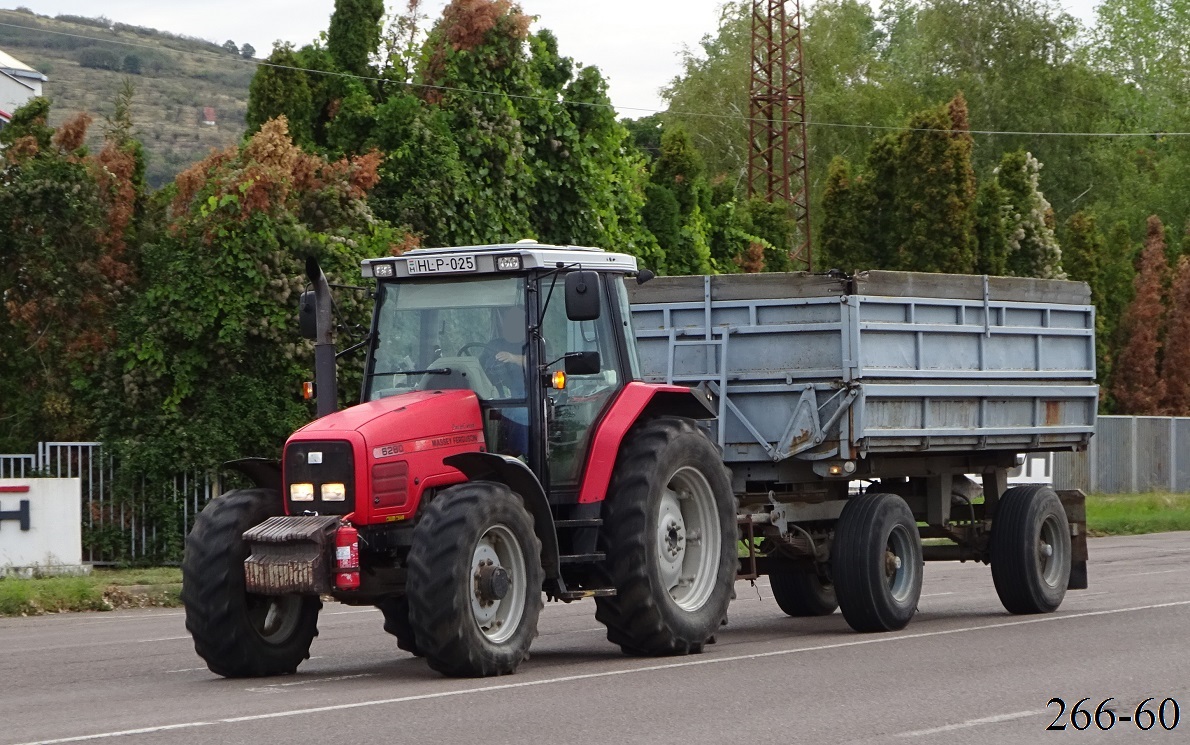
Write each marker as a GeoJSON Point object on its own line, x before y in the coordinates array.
{"type": "Point", "coordinates": [1130, 454]}
{"type": "Point", "coordinates": [124, 520]}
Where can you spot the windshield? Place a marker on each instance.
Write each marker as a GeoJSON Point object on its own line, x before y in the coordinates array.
{"type": "Point", "coordinates": [450, 334]}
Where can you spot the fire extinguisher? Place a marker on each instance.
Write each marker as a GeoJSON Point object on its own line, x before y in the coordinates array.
{"type": "Point", "coordinates": [346, 558]}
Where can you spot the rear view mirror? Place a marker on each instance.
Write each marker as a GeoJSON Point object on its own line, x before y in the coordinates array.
{"type": "Point", "coordinates": [307, 316]}
{"type": "Point", "coordinates": [582, 296]}
{"type": "Point", "coordinates": [582, 363]}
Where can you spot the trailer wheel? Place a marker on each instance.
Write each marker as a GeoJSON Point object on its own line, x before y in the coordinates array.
{"type": "Point", "coordinates": [396, 622]}
{"type": "Point", "coordinates": [241, 634]}
{"type": "Point", "coordinates": [876, 563]}
{"type": "Point", "coordinates": [475, 579]}
{"type": "Point", "coordinates": [1030, 550]}
{"type": "Point", "coordinates": [670, 528]}
{"type": "Point", "coordinates": [800, 591]}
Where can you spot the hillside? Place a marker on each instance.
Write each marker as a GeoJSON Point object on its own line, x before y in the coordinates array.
{"type": "Point", "coordinates": [175, 78]}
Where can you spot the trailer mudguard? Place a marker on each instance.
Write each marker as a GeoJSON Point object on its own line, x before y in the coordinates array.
{"type": "Point", "coordinates": [635, 402]}
{"type": "Point", "coordinates": [517, 476]}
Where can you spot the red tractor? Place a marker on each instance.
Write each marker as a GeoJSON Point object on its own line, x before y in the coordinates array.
{"type": "Point", "coordinates": [504, 447]}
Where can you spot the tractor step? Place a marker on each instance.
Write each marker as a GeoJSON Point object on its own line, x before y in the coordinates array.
{"type": "Point", "coordinates": [581, 558]}
{"type": "Point", "coordinates": [593, 522]}
{"type": "Point", "coordinates": [600, 592]}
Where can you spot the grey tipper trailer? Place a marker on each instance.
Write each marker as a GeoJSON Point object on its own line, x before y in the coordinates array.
{"type": "Point", "coordinates": [859, 415]}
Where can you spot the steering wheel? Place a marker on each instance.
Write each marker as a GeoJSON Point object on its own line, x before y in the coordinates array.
{"type": "Point", "coordinates": [463, 350]}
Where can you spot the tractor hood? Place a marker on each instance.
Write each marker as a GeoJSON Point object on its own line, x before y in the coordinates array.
{"type": "Point", "coordinates": [409, 415]}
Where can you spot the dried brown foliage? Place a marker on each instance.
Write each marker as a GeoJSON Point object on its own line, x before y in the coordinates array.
{"type": "Point", "coordinates": [1175, 364]}
{"type": "Point", "coordinates": [752, 262]}
{"type": "Point", "coordinates": [21, 149]}
{"type": "Point", "coordinates": [465, 23]}
{"type": "Point", "coordinates": [73, 133]}
{"type": "Point", "coordinates": [1137, 388]}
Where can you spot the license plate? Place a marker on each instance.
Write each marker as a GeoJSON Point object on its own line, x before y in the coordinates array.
{"type": "Point", "coordinates": [441, 265]}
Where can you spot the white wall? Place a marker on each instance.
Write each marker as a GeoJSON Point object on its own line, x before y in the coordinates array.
{"type": "Point", "coordinates": [54, 541]}
{"type": "Point", "coordinates": [14, 95]}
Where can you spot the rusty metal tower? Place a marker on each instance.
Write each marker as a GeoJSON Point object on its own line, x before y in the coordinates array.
{"type": "Point", "coordinates": [777, 154]}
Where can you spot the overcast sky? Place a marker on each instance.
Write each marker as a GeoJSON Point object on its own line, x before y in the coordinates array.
{"type": "Point", "coordinates": [636, 43]}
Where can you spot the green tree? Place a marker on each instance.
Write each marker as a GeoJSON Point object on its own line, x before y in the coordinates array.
{"type": "Point", "coordinates": [845, 238]}
{"type": "Point", "coordinates": [993, 226]}
{"type": "Point", "coordinates": [230, 46]}
{"type": "Point", "coordinates": [1033, 249]}
{"type": "Point", "coordinates": [65, 265]}
{"type": "Point", "coordinates": [281, 89]}
{"type": "Point", "coordinates": [354, 35]}
{"type": "Point", "coordinates": [678, 170]}
{"type": "Point", "coordinates": [211, 359]}
{"type": "Point", "coordinates": [1084, 247]}
{"type": "Point", "coordinates": [248, 51]}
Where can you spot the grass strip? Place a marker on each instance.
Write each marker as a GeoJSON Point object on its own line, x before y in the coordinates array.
{"type": "Point", "coordinates": [1134, 514]}
{"type": "Point", "coordinates": [103, 589]}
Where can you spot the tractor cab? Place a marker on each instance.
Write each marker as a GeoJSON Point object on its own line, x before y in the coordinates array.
{"type": "Point", "coordinates": [542, 339]}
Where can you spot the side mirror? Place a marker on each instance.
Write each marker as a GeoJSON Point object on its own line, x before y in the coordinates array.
{"type": "Point", "coordinates": [582, 363]}
{"type": "Point", "coordinates": [582, 296]}
{"type": "Point", "coordinates": [308, 316]}
{"type": "Point", "coordinates": [644, 275]}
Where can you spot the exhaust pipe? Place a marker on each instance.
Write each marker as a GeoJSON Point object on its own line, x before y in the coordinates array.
{"type": "Point", "coordinates": [316, 319]}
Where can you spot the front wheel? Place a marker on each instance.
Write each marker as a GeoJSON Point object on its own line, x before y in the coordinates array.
{"type": "Point", "coordinates": [1030, 550]}
{"type": "Point", "coordinates": [671, 532]}
{"type": "Point", "coordinates": [241, 634]}
{"type": "Point", "coordinates": [876, 563]}
{"type": "Point", "coordinates": [475, 577]}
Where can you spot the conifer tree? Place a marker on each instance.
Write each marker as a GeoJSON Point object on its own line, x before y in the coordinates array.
{"type": "Point", "coordinates": [1136, 386]}
{"type": "Point", "coordinates": [354, 35]}
{"type": "Point", "coordinates": [1175, 362]}
{"type": "Point", "coordinates": [281, 89]}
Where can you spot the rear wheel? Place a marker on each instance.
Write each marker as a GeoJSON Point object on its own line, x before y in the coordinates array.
{"type": "Point", "coordinates": [475, 577]}
{"type": "Point", "coordinates": [1030, 550]}
{"type": "Point", "coordinates": [800, 591]}
{"type": "Point", "coordinates": [241, 634]}
{"type": "Point", "coordinates": [671, 533]}
{"type": "Point", "coordinates": [396, 622]}
{"type": "Point", "coordinates": [876, 563]}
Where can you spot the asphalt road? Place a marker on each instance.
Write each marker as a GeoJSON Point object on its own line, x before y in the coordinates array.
{"type": "Point", "coordinates": [964, 670]}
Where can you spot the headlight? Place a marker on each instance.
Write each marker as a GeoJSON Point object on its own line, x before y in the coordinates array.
{"type": "Point", "coordinates": [302, 492]}
{"type": "Point", "coordinates": [334, 492]}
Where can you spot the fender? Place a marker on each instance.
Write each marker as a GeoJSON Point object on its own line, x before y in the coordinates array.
{"type": "Point", "coordinates": [517, 476]}
{"type": "Point", "coordinates": [635, 402]}
{"type": "Point", "coordinates": [262, 472]}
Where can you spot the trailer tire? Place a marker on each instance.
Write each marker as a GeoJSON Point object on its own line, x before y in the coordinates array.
{"type": "Point", "coordinates": [800, 591]}
{"type": "Point", "coordinates": [230, 626]}
{"type": "Point", "coordinates": [669, 482]}
{"type": "Point", "coordinates": [876, 563]}
{"type": "Point", "coordinates": [396, 622]}
{"type": "Point", "coordinates": [467, 624]}
{"type": "Point", "coordinates": [1030, 550]}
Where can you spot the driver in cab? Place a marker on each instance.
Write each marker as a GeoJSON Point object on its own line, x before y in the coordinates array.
{"type": "Point", "coordinates": [504, 359]}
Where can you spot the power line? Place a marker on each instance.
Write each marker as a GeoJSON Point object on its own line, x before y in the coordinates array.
{"type": "Point", "coordinates": [589, 104]}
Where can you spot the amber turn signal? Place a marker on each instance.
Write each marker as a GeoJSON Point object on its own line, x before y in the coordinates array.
{"type": "Point", "coordinates": [559, 380]}
{"type": "Point", "coordinates": [307, 391]}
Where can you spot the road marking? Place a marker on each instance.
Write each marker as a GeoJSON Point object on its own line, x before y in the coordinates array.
{"type": "Point", "coordinates": [276, 687]}
{"type": "Point", "coordinates": [971, 723]}
{"type": "Point", "coordinates": [1143, 574]}
{"type": "Point", "coordinates": [162, 639]}
{"type": "Point", "coordinates": [887, 639]}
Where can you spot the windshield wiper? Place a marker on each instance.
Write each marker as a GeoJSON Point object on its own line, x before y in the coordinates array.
{"type": "Point", "coordinates": [431, 371]}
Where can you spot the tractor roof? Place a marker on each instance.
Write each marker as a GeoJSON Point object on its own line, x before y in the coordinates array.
{"type": "Point", "coordinates": [496, 258]}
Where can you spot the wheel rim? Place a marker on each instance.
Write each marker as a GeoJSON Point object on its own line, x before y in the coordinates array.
{"type": "Point", "coordinates": [1050, 551]}
{"type": "Point", "coordinates": [498, 617]}
{"type": "Point", "coordinates": [688, 539]}
{"type": "Point", "coordinates": [274, 617]}
{"type": "Point", "coordinates": [900, 568]}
